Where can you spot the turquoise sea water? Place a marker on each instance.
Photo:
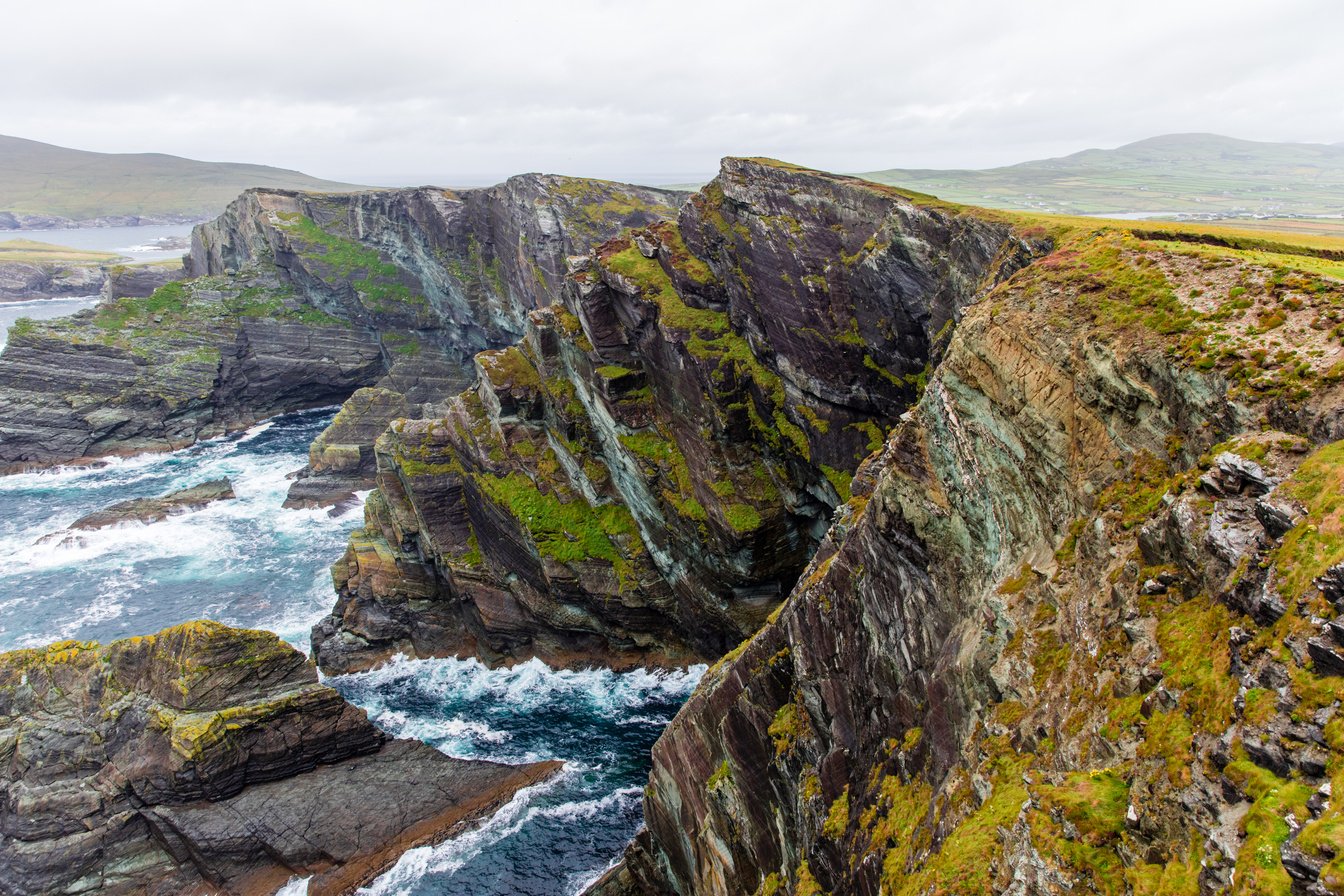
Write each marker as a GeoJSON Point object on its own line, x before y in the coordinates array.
{"type": "Point", "coordinates": [249, 562]}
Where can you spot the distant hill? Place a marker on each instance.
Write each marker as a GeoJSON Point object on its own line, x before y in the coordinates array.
{"type": "Point", "coordinates": [43, 186]}
{"type": "Point", "coordinates": [1191, 174]}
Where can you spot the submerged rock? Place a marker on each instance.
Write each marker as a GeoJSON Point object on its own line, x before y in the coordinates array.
{"type": "Point", "coordinates": [206, 759]}
{"type": "Point", "coordinates": [150, 510]}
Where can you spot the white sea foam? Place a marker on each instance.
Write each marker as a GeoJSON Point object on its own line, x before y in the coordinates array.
{"type": "Point", "coordinates": [533, 683]}
{"type": "Point", "coordinates": [430, 730]}
{"type": "Point", "coordinates": [297, 886]}
{"type": "Point", "coordinates": [526, 807]}
{"type": "Point", "coordinates": [246, 561]}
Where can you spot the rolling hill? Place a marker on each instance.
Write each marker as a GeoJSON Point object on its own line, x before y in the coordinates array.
{"type": "Point", "coordinates": [1176, 174]}
{"type": "Point", "coordinates": [43, 185]}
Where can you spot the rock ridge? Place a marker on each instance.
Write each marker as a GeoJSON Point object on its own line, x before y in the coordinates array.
{"type": "Point", "coordinates": [643, 477]}
{"type": "Point", "coordinates": [297, 301]}
{"type": "Point", "coordinates": [1074, 629]}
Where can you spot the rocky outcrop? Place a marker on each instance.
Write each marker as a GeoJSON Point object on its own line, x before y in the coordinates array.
{"type": "Point", "coordinates": [24, 281]}
{"type": "Point", "coordinates": [138, 280]}
{"type": "Point", "coordinates": [191, 360]}
{"type": "Point", "coordinates": [1057, 640]}
{"type": "Point", "coordinates": [298, 301]}
{"type": "Point", "coordinates": [149, 510]}
{"type": "Point", "coordinates": [645, 475]}
{"type": "Point", "coordinates": [210, 760]}
{"type": "Point", "coordinates": [482, 259]}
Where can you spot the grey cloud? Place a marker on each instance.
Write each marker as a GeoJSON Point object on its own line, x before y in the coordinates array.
{"type": "Point", "coordinates": [593, 87]}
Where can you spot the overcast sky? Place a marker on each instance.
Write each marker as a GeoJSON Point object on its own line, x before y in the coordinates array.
{"type": "Point", "coordinates": [429, 90]}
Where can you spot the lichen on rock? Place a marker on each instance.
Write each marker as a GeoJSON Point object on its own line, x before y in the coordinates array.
{"type": "Point", "coordinates": [210, 759]}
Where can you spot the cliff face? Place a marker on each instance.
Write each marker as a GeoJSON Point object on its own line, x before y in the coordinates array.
{"type": "Point", "coordinates": [206, 760]}
{"type": "Point", "coordinates": [644, 476]}
{"type": "Point", "coordinates": [300, 300]}
{"type": "Point", "coordinates": [1057, 640]}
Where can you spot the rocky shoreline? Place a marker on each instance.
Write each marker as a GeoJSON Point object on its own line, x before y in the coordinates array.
{"type": "Point", "coordinates": [26, 282]}
{"type": "Point", "coordinates": [209, 759]}
{"type": "Point", "coordinates": [12, 221]}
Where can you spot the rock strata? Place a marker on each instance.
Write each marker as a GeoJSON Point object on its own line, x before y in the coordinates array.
{"type": "Point", "coordinates": [24, 281]}
{"type": "Point", "coordinates": [138, 280]}
{"type": "Point", "coordinates": [298, 301]}
{"type": "Point", "coordinates": [643, 477]}
{"type": "Point", "coordinates": [1056, 640]}
{"type": "Point", "coordinates": [205, 759]}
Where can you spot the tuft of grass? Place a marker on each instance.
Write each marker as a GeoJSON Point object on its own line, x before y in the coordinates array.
{"type": "Point", "coordinates": [1094, 801]}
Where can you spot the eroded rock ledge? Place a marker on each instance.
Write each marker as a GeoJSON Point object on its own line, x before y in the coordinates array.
{"type": "Point", "coordinates": [206, 759]}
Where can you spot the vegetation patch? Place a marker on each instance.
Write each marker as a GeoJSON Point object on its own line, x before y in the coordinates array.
{"type": "Point", "coordinates": [567, 531]}
{"type": "Point", "coordinates": [377, 282]}
{"type": "Point", "coordinates": [1317, 543]}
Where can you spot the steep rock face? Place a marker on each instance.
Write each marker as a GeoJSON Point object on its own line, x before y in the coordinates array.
{"type": "Point", "coordinates": [139, 280]}
{"type": "Point", "coordinates": [300, 300]}
{"type": "Point", "coordinates": [644, 476]}
{"type": "Point", "coordinates": [479, 260]}
{"type": "Point", "coordinates": [1046, 646]}
{"type": "Point", "coordinates": [483, 258]}
{"type": "Point", "coordinates": [206, 760]}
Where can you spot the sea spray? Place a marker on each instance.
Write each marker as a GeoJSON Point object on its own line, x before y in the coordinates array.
{"type": "Point", "coordinates": [250, 562]}
{"type": "Point", "coordinates": [550, 839]}
{"type": "Point", "coordinates": [245, 561]}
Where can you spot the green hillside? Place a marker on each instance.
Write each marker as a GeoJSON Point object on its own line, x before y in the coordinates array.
{"type": "Point", "coordinates": [1172, 174]}
{"type": "Point", "coordinates": [39, 179]}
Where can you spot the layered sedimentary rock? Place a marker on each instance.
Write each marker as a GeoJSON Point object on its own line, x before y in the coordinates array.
{"type": "Point", "coordinates": [298, 301]}
{"type": "Point", "coordinates": [23, 281]}
{"type": "Point", "coordinates": [1057, 640]}
{"type": "Point", "coordinates": [139, 280]}
{"type": "Point", "coordinates": [205, 759]}
{"type": "Point", "coordinates": [644, 476]}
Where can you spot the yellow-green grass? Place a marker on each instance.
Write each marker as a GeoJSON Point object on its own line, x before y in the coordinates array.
{"type": "Point", "coordinates": [32, 252]}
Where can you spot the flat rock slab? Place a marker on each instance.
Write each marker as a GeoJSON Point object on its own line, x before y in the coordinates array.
{"type": "Point", "coordinates": [327, 488]}
{"type": "Point", "coordinates": [151, 510]}
{"type": "Point", "coordinates": [342, 824]}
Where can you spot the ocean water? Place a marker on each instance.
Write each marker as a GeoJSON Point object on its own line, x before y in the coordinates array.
{"type": "Point", "coordinates": [40, 309]}
{"type": "Point", "coordinates": [249, 562]}
{"type": "Point", "coordinates": [137, 243]}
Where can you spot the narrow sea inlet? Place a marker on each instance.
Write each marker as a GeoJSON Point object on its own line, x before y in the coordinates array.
{"type": "Point", "coordinates": [250, 563]}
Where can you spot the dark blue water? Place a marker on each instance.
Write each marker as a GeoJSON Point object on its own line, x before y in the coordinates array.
{"type": "Point", "coordinates": [249, 562]}
{"type": "Point", "coordinates": [551, 839]}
